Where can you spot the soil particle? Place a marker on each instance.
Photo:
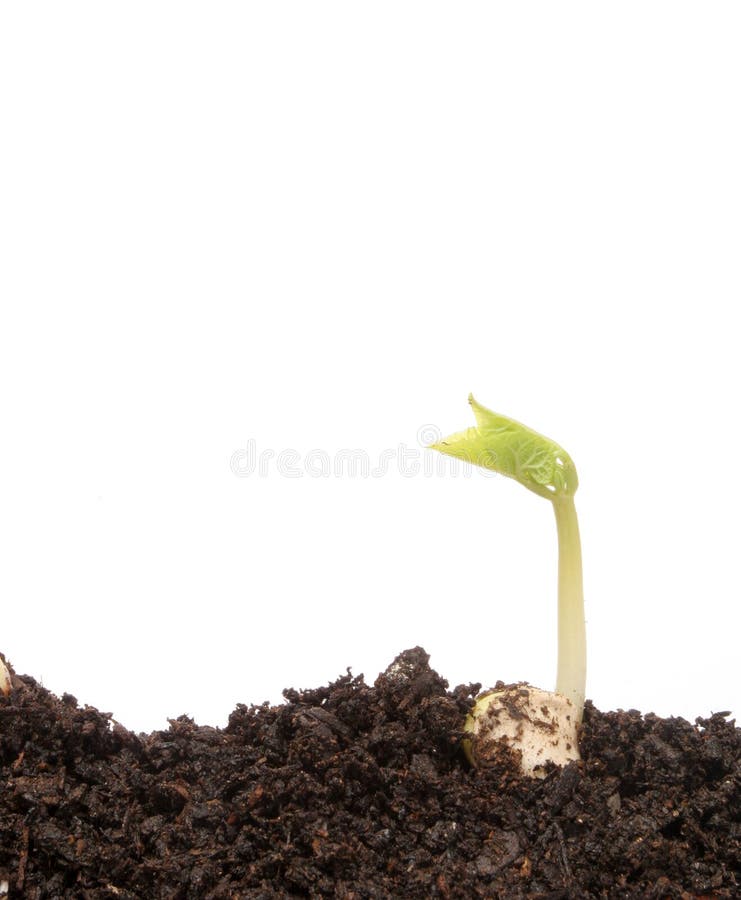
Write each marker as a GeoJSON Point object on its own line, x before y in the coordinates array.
{"type": "Point", "coordinates": [358, 791]}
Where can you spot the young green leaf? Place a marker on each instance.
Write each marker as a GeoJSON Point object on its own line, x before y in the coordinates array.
{"type": "Point", "coordinates": [512, 449]}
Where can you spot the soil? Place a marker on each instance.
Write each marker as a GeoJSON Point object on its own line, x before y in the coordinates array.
{"type": "Point", "coordinates": [359, 791]}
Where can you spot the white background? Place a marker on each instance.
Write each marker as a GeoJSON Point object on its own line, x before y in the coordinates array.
{"type": "Point", "coordinates": [318, 226]}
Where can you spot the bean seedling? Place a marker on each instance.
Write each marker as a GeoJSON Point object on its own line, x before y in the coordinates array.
{"type": "Point", "coordinates": [541, 465]}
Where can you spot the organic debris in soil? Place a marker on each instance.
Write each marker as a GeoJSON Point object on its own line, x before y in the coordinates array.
{"type": "Point", "coordinates": [359, 791]}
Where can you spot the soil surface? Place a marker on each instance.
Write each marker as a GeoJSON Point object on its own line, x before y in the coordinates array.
{"type": "Point", "coordinates": [359, 791]}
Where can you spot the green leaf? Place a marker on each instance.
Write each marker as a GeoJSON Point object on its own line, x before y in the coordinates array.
{"type": "Point", "coordinates": [514, 450]}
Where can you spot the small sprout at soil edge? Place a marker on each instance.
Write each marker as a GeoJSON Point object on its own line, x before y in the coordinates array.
{"type": "Point", "coordinates": [542, 726]}
{"type": "Point", "coordinates": [5, 684]}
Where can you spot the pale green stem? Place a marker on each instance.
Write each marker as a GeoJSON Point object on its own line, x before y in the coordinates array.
{"type": "Point", "coordinates": [571, 676]}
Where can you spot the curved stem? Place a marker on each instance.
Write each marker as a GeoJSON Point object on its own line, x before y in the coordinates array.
{"type": "Point", "coordinates": [571, 676]}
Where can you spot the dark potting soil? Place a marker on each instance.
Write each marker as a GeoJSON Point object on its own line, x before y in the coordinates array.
{"type": "Point", "coordinates": [359, 791]}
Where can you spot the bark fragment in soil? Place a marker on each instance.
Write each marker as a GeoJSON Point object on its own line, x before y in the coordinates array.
{"type": "Point", "coordinates": [359, 791]}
